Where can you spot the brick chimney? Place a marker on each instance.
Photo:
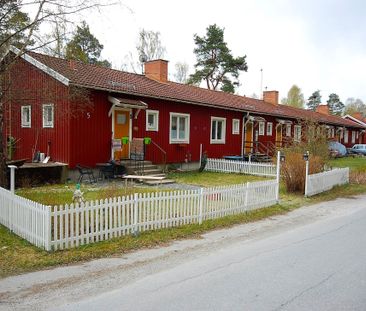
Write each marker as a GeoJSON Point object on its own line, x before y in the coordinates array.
{"type": "Point", "coordinates": [323, 109]}
{"type": "Point", "coordinates": [157, 70]}
{"type": "Point", "coordinates": [271, 97]}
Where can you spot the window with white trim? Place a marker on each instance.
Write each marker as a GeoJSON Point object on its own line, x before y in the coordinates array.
{"type": "Point", "coordinates": [152, 120]}
{"type": "Point", "coordinates": [261, 128]}
{"type": "Point", "coordinates": [48, 116]}
{"type": "Point", "coordinates": [269, 128]}
{"type": "Point", "coordinates": [179, 128]}
{"type": "Point", "coordinates": [236, 126]}
{"type": "Point", "coordinates": [26, 116]}
{"type": "Point", "coordinates": [353, 137]}
{"type": "Point", "coordinates": [333, 132]}
{"type": "Point", "coordinates": [218, 130]}
{"type": "Point", "coordinates": [346, 136]}
{"type": "Point", "coordinates": [288, 130]}
{"type": "Point", "coordinates": [297, 133]}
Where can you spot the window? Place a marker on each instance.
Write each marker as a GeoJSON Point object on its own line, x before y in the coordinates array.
{"type": "Point", "coordinates": [346, 136]}
{"type": "Point", "coordinates": [297, 134]}
{"type": "Point", "coordinates": [218, 129]}
{"type": "Point", "coordinates": [288, 130]}
{"type": "Point", "coordinates": [269, 128]}
{"type": "Point", "coordinates": [48, 116]}
{"type": "Point", "coordinates": [236, 126]}
{"type": "Point", "coordinates": [353, 137]}
{"type": "Point", "coordinates": [332, 132]}
{"type": "Point", "coordinates": [152, 120]}
{"type": "Point", "coordinates": [261, 128]}
{"type": "Point", "coordinates": [26, 115]}
{"type": "Point", "coordinates": [179, 128]}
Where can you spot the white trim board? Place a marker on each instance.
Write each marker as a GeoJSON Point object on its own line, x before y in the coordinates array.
{"type": "Point", "coordinates": [54, 74]}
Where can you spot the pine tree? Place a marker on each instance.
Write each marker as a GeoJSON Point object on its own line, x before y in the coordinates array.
{"type": "Point", "coordinates": [335, 105]}
{"type": "Point", "coordinates": [215, 62]}
{"type": "Point", "coordinates": [85, 47]}
{"type": "Point", "coordinates": [314, 100]}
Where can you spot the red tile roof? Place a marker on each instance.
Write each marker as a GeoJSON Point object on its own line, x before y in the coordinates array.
{"type": "Point", "coordinates": [96, 77]}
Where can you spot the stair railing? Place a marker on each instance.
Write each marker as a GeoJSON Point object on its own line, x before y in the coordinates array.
{"type": "Point", "coordinates": [162, 153]}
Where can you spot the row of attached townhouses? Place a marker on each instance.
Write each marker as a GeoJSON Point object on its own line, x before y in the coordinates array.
{"type": "Point", "coordinates": [78, 113]}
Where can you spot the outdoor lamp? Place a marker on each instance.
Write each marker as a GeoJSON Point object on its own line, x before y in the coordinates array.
{"type": "Point", "coordinates": [306, 156]}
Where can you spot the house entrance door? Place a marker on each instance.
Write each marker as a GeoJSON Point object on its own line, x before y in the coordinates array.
{"type": "Point", "coordinates": [121, 129]}
{"type": "Point", "coordinates": [248, 145]}
{"type": "Point", "coordinates": [279, 135]}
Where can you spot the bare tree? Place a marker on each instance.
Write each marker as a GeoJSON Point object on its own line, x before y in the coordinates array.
{"type": "Point", "coordinates": [181, 72]}
{"type": "Point", "coordinates": [148, 47]}
{"type": "Point", "coordinates": [22, 30]}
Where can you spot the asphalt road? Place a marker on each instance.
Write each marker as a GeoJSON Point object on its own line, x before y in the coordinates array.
{"type": "Point", "coordinates": [311, 259]}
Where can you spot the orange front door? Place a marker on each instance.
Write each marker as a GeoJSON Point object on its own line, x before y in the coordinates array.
{"type": "Point", "coordinates": [248, 145]}
{"type": "Point", "coordinates": [121, 129]}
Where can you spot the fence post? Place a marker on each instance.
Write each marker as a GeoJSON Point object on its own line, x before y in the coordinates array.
{"type": "Point", "coordinates": [12, 178]}
{"type": "Point", "coordinates": [306, 174]}
{"type": "Point", "coordinates": [48, 228]}
{"type": "Point", "coordinates": [135, 215]}
{"type": "Point", "coordinates": [278, 172]}
{"type": "Point", "coordinates": [200, 216]}
{"type": "Point", "coordinates": [246, 195]}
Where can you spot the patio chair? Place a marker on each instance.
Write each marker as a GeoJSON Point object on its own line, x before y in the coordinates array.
{"type": "Point", "coordinates": [85, 170]}
{"type": "Point", "coordinates": [107, 171]}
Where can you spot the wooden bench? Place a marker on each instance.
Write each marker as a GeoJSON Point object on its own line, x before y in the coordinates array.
{"type": "Point", "coordinates": [142, 177]}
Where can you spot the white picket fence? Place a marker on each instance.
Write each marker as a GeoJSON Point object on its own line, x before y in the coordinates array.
{"type": "Point", "coordinates": [62, 227]}
{"type": "Point", "coordinates": [28, 219]}
{"type": "Point", "coordinates": [243, 167]}
{"type": "Point", "coordinates": [317, 183]}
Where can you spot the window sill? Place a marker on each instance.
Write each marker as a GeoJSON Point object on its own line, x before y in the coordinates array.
{"type": "Point", "coordinates": [217, 142]}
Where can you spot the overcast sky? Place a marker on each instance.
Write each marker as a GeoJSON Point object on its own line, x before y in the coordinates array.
{"type": "Point", "coordinates": [315, 44]}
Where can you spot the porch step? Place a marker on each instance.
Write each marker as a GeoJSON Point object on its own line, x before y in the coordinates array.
{"type": "Point", "coordinates": [157, 182]}
{"type": "Point", "coordinates": [148, 169]}
{"type": "Point", "coordinates": [261, 157]}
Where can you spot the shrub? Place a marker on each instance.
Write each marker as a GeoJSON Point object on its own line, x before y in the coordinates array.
{"type": "Point", "coordinates": [357, 177]}
{"type": "Point", "coordinates": [293, 170]}
{"type": "Point", "coordinates": [314, 140]}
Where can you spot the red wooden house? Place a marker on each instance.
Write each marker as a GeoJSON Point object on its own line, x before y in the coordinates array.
{"type": "Point", "coordinates": [78, 113]}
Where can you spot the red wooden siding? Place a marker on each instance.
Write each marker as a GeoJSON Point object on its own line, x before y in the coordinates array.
{"type": "Point", "coordinates": [200, 128]}
{"type": "Point", "coordinates": [91, 130]}
{"type": "Point", "coordinates": [30, 86]}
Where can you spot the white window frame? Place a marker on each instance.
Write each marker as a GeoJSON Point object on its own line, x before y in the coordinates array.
{"type": "Point", "coordinates": [223, 128]}
{"type": "Point", "coordinates": [269, 128]}
{"type": "Point", "coordinates": [26, 123]}
{"type": "Point", "coordinates": [297, 133]}
{"type": "Point", "coordinates": [46, 123]}
{"type": "Point", "coordinates": [353, 141]}
{"type": "Point", "coordinates": [346, 136]}
{"type": "Point", "coordinates": [236, 126]}
{"type": "Point", "coordinates": [261, 125]}
{"type": "Point", "coordinates": [177, 140]}
{"type": "Point", "coordinates": [288, 130]}
{"type": "Point", "coordinates": [155, 113]}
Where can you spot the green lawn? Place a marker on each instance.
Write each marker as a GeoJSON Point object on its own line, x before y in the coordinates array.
{"type": "Point", "coordinates": [357, 164]}
{"type": "Point", "coordinates": [62, 194]}
{"type": "Point", "coordinates": [209, 179]}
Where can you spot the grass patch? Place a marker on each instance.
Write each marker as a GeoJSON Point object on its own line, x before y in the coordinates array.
{"type": "Point", "coordinates": [357, 164]}
{"type": "Point", "coordinates": [18, 256]}
{"type": "Point", "coordinates": [62, 194]}
{"type": "Point", "coordinates": [210, 179]}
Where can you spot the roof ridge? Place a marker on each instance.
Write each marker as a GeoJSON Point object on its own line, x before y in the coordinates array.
{"type": "Point", "coordinates": [84, 64]}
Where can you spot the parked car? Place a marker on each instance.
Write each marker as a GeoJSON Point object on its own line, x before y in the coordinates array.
{"type": "Point", "coordinates": [358, 149]}
{"type": "Point", "coordinates": [336, 149]}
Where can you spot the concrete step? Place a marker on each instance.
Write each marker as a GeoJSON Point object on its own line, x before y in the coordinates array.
{"type": "Point", "coordinates": [133, 162]}
{"type": "Point", "coordinates": [158, 182]}
{"type": "Point", "coordinates": [150, 172]}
